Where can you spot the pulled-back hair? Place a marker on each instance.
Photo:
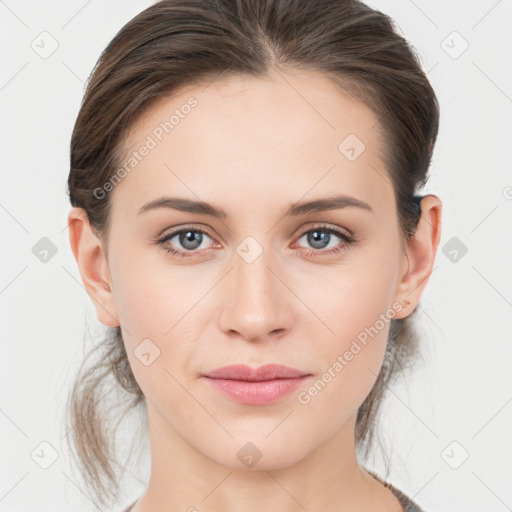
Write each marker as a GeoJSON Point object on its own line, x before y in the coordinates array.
{"type": "Point", "coordinates": [176, 43]}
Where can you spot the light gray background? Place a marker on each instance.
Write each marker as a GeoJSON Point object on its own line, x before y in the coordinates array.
{"type": "Point", "coordinates": [458, 401]}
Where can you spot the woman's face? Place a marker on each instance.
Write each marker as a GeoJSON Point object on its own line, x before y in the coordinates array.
{"type": "Point", "coordinates": [263, 283]}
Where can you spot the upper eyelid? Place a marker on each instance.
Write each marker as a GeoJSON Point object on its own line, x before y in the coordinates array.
{"type": "Point", "coordinates": [324, 226]}
{"type": "Point", "coordinates": [175, 231]}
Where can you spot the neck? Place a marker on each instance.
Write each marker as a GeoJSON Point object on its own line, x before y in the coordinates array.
{"type": "Point", "coordinates": [329, 478]}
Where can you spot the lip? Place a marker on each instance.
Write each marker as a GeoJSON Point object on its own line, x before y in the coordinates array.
{"type": "Point", "coordinates": [264, 385]}
{"type": "Point", "coordinates": [265, 372]}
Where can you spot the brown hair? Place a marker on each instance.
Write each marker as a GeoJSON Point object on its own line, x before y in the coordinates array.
{"type": "Point", "coordinates": [183, 42]}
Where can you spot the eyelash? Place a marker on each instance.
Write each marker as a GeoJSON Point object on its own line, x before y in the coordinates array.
{"type": "Point", "coordinates": [346, 241]}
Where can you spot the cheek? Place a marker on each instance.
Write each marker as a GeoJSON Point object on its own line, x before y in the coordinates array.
{"type": "Point", "coordinates": [155, 304]}
{"type": "Point", "coordinates": [351, 359]}
{"type": "Point", "coordinates": [356, 307]}
{"type": "Point", "coordinates": [351, 299]}
{"type": "Point", "coordinates": [150, 294]}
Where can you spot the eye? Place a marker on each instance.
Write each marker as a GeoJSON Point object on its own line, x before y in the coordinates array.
{"type": "Point", "coordinates": [321, 236]}
{"type": "Point", "coordinates": [191, 239]}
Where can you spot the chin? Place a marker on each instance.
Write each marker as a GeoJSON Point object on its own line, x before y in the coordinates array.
{"type": "Point", "coordinates": [255, 453]}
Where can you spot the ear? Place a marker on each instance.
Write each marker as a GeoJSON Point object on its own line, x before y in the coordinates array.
{"type": "Point", "coordinates": [93, 266]}
{"type": "Point", "coordinates": [421, 252]}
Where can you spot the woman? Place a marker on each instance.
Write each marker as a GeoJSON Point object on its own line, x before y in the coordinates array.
{"type": "Point", "coordinates": [245, 218]}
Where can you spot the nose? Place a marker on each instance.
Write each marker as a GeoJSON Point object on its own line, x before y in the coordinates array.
{"type": "Point", "coordinates": [257, 304]}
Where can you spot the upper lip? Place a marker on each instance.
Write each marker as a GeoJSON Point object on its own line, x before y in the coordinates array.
{"type": "Point", "coordinates": [265, 372]}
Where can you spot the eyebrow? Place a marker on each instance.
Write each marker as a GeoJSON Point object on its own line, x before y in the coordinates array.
{"type": "Point", "coordinates": [301, 208]}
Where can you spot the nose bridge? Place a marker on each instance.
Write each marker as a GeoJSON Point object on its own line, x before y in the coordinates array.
{"type": "Point", "coordinates": [251, 273]}
{"type": "Point", "coordinates": [257, 306]}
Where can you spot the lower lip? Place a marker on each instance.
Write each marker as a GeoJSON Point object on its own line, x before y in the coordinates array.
{"type": "Point", "coordinates": [256, 393]}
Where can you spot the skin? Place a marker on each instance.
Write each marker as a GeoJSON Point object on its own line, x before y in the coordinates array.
{"type": "Point", "coordinates": [253, 147]}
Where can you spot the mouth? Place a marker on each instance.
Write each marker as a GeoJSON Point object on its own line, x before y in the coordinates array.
{"type": "Point", "coordinates": [263, 373]}
{"type": "Point", "coordinates": [264, 385]}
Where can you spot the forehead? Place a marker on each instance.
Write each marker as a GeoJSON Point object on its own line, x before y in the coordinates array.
{"type": "Point", "coordinates": [292, 132]}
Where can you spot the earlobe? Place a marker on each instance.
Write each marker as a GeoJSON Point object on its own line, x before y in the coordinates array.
{"type": "Point", "coordinates": [421, 254]}
{"type": "Point", "coordinates": [93, 267]}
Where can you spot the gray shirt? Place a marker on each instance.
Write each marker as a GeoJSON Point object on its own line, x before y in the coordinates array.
{"type": "Point", "coordinates": [407, 504]}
